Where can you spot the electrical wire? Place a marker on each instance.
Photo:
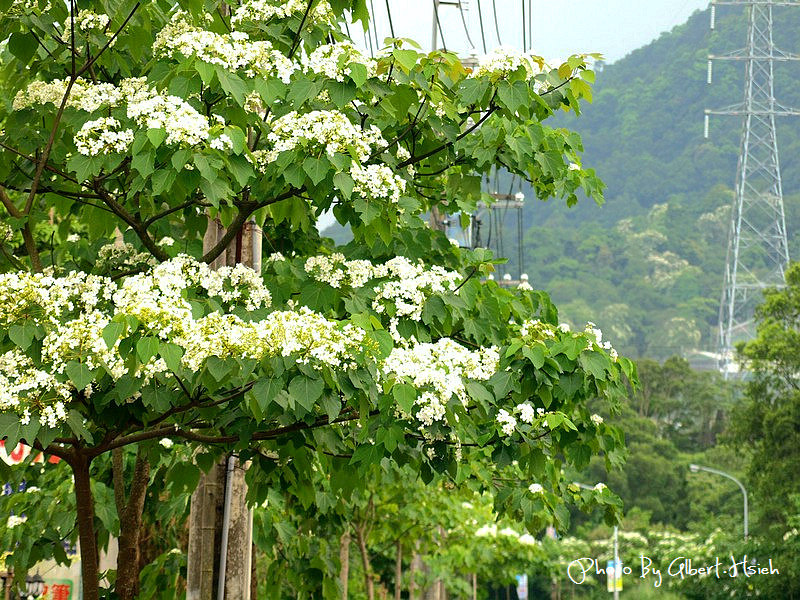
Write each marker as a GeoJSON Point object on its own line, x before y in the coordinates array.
{"type": "Point", "coordinates": [480, 18]}
{"type": "Point", "coordinates": [496, 26]}
{"type": "Point", "coordinates": [374, 20]}
{"type": "Point", "coordinates": [524, 33]}
{"type": "Point", "coordinates": [389, 12]}
{"type": "Point", "coordinates": [464, 22]}
{"type": "Point", "coordinates": [438, 24]}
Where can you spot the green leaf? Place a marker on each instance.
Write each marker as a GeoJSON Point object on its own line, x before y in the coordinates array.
{"type": "Point", "coordinates": [341, 92]}
{"type": "Point", "coordinates": [331, 405]}
{"type": "Point", "coordinates": [183, 477]}
{"type": "Point", "coordinates": [265, 391]}
{"type": "Point", "coordinates": [22, 335]}
{"type": "Point", "coordinates": [156, 136]}
{"type": "Point", "coordinates": [232, 83]}
{"type": "Point", "coordinates": [10, 429]}
{"type": "Point", "coordinates": [75, 423]}
{"type": "Point", "coordinates": [358, 73]}
{"type": "Point", "coordinates": [146, 348]}
{"type": "Point", "coordinates": [172, 355]}
{"type": "Point", "coordinates": [407, 58]}
{"type": "Point", "coordinates": [305, 391]}
{"type": "Point", "coordinates": [316, 168]}
{"type": "Point", "coordinates": [367, 454]}
{"type": "Point", "coordinates": [405, 395]}
{"type": "Point", "coordinates": [512, 96]}
{"type": "Point", "coordinates": [534, 354]}
{"type": "Point", "coordinates": [79, 374]}
{"type": "Point", "coordinates": [472, 90]}
{"type": "Point", "coordinates": [111, 333]}
{"type": "Point", "coordinates": [23, 46]}
{"type": "Point", "coordinates": [218, 367]}
{"type": "Point", "coordinates": [344, 183]}
{"type": "Point", "coordinates": [595, 363]}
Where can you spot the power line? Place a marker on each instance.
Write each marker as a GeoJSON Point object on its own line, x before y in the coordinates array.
{"type": "Point", "coordinates": [438, 25]}
{"type": "Point", "coordinates": [389, 12]}
{"type": "Point", "coordinates": [496, 26]}
{"type": "Point", "coordinates": [464, 22]}
{"type": "Point", "coordinates": [480, 18]}
{"type": "Point", "coordinates": [374, 25]}
{"type": "Point", "coordinates": [524, 33]}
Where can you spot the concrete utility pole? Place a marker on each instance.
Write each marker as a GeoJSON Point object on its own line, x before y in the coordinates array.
{"type": "Point", "coordinates": [757, 249]}
{"type": "Point", "coordinates": [220, 523]}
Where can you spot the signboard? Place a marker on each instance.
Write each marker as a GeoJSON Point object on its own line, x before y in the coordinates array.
{"type": "Point", "coordinates": [57, 589]}
{"type": "Point", "coordinates": [614, 576]}
{"type": "Point", "coordinates": [20, 453]}
{"type": "Point", "coordinates": [522, 587]}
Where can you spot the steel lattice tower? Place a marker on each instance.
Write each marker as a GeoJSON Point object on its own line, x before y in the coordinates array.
{"type": "Point", "coordinates": [757, 249]}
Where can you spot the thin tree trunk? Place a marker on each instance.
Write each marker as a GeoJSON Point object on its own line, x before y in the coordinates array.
{"type": "Point", "coordinates": [415, 565]}
{"type": "Point", "coordinates": [474, 586]}
{"type": "Point", "coordinates": [90, 575]}
{"type": "Point", "coordinates": [254, 574]}
{"type": "Point", "coordinates": [398, 571]}
{"type": "Point", "coordinates": [344, 561]}
{"type": "Point", "coordinates": [127, 585]}
{"type": "Point", "coordinates": [362, 547]}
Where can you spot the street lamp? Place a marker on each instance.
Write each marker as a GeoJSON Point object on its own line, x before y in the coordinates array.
{"type": "Point", "coordinates": [696, 468]}
{"type": "Point", "coordinates": [617, 576]}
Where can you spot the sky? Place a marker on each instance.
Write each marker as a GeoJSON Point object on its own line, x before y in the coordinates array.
{"type": "Point", "coordinates": [560, 27]}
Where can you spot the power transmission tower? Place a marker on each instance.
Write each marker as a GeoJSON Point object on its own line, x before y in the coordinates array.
{"type": "Point", "coordinates": [757, 250]}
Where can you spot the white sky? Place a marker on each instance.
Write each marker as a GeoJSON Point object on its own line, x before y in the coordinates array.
{"type": "Point", "coordinates": [560, 27]}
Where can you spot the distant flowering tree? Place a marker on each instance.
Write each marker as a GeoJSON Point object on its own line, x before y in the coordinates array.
{"type": "Point", "coordinates": [130, 126]}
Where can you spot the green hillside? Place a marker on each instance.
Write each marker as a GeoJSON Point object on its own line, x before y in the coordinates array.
{"type": "Point", "coordinates": [647, 266]}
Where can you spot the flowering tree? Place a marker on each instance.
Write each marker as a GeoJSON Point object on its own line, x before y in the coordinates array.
{"type": "Point", "coordinates": [131, 127]}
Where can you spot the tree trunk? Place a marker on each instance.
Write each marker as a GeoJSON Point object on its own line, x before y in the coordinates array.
{"type": "Point", "coordinates": [130, 523]}
{"type": "Point", "coordinates": [474, 586]}
{"type": "Point", "coordinates": [254, 574]}
{"type": "Point", "coordinates": [90, 577]}
{"type": "Point", "coordinates": [362, 548]}
{"type": "Point", "coordinates": [398, 571]}
{"type": "Point", "coordinates": [344, 561]}
{"type": "Point", "coordinates": [416, 563]}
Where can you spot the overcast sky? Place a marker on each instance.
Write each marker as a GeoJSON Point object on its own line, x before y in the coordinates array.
{"type": "Point", "coordinates": [560, 27]}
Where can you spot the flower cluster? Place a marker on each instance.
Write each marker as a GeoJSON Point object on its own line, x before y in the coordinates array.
{"type": "Point", "coordinates": [439, 369]}
{"type": "Point", "coordinates": [491, 530]}
{"type": "Point", "coordinates": [503, 61]}
{"type": "Point", "coordinates": [261, 11]}
{"type": "Point", "coordinates": [595, 336]}
{"type": "Point", "coordinates": [74, 312]}
{"type": "Point", "coordinates": [331, 60]}
{"type": "Point", "coordinates": [146, 106]}
{"type": "Point", "coordinates": [89, 21]}
{"type": "Point", "coordinates": [121, 255]}
{"type": "Point", "coordinates": [234, 51]}
{"type": "Point", "coordinates": [103, 136]}
{"type": "Point", "coordinates": [330, 129]}
{"type": "Point", "coordinates": [408, 286]}
{"type": "Point", "coordinates": [377, 181]}
{"type": "Point", "coordinates": [508, 423]}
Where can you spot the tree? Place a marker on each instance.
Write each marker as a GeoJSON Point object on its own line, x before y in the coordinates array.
{"type": "Point", "coordinates": [134, 127]}
{"type": "Point", "coordinates": [768, 420]}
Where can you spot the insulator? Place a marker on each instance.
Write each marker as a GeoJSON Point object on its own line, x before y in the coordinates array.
{"type": "Point", "coordinates": [705, 127]}
{"type": "Point", "coordinates": [708, 74]}
{"type": "Point", "coordinates": [713, 15]}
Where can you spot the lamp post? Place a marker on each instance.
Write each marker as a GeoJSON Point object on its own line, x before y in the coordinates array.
{"type": "Point", "coordinates": [616, 546]}
{"type": "Point", "coordinates": [696, 468]}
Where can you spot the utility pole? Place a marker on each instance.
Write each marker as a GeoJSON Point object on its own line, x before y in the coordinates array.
{"type": "Point", "coordinates": [219, 561]}
{"type": "Point", "coordinates": [757, 249]}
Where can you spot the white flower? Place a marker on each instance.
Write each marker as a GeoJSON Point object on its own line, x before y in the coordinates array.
{"type": "Point", "coordinates": [222, 143]}
{"type": "Point", "coordinates": [103, 136]}
{"type": "Point", "coordinates": [527, 413]}
{"type": "Point", "coordinates": [166, 443]}
{"type": "Point", "coordinates": [600, 486]}
{"type": "Point", "coordinates": [535, 488]}
{"type": "Point", "coordinates": [596, 419]}
{"type": "Point", "coordinates": [15, 520]}
{"type": "Point", "coordinates": [507, 422]}
{"type": "Point", "coordinates": [166, 241]}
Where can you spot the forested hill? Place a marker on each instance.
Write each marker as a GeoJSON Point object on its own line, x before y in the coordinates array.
{"type": "Point", "coordinates": [648, 265]}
